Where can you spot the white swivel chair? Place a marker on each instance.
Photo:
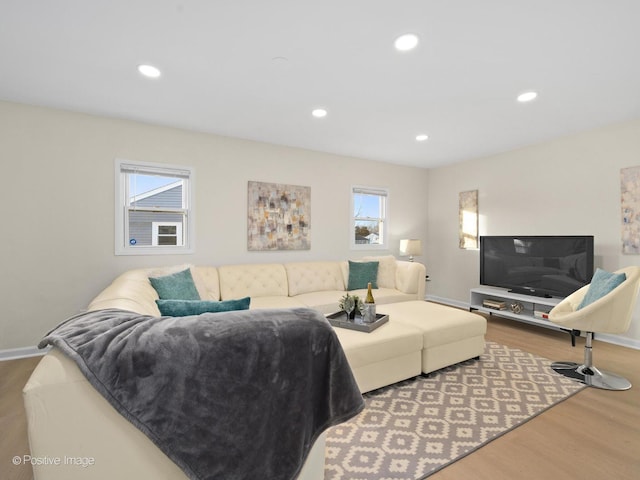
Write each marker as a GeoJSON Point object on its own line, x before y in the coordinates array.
{"type": "Point", "coordinates": [609, 314]}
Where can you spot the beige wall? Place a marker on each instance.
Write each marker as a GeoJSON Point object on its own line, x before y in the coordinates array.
{"type": "Point", "coordinates": [57, 198]}
{"type": "Point", "coordinates": [570, 186]}
{"type": "Point", "coordinates": [57, 195]}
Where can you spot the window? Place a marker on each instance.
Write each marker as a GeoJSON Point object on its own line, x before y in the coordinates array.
{"type": "Point", "coordinates": [167, 233]}
{"type": "Point", "coordinates": [154, 209]}
{"type": "Point", "coordinates": [369, 222]}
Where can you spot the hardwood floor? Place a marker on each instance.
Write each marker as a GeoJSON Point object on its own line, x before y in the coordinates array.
{"type": "Point", "coordinates": [593, 435]}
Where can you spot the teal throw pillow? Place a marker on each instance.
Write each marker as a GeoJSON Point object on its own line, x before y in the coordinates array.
{"type": "Point", "coordinates": [184, 308]}
{"type": "Point", "coordinates": [177, 286]}
{"type": "Point", "coordinates": [602, 283]}
{"type": "Point", "coordinates": [361, 273]}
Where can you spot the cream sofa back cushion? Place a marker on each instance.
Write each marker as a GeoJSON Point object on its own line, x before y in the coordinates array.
{"type": "Point", "coordinates": [130, 291]}
{"type": "Point", "coordinates": [386, 270]}
{"type": "Point", "coordinates": [306, 277]}
{"type": "Point", "coordinates": [207, 282]}
{"type": "Point", "coordinates": [252, 280]}
{"type": "Point", "coordinates": [410, 278]}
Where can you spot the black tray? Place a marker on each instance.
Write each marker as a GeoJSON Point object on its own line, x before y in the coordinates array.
{"type": "Point", "coordinates": [339, 319]}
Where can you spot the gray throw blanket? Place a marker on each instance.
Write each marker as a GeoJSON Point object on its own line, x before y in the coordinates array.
{"type": "Point", "coordinates": [233, 395]}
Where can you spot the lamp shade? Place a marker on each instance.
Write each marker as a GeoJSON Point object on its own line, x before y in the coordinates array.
{"type": "Point", "coordinates": [410, 247]}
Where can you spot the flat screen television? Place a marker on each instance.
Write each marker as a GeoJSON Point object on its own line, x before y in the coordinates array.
{"type": "Point", "coordinates": [542, 266]}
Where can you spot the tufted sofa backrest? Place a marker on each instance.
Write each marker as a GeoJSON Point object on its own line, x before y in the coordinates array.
{"type": "Point", "coordinates": [306, 277]}
{"type": "Point", "coordinates": [133, 291]}
{"type": "Point", "coordinates": [252, 280]}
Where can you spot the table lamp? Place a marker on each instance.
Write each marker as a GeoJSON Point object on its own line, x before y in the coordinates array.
{"type": "Point", "coordinates": [410, 247]}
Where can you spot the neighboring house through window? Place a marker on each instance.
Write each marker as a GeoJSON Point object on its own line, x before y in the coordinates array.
{"type": "Point", "coordinates": [166, 233]}
{"type": "Point", "coordinates": [369, 221]}
{"type": "Point", "coordinates": [154, 209]}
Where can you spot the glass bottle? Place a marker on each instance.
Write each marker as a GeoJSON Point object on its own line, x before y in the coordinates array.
{"type": "Point", "coordinates": [369, 314]}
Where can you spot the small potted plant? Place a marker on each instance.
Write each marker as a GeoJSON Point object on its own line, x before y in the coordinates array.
{"type": "Point", "coordinates": [351, 304]}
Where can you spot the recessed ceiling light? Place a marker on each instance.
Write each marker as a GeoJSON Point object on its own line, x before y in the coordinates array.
{"type": "Point", "coordinates": [149, 71]}
{"type": "Point", "coordinates": [527, 96]}
{"type": "Point", "coordinates": [319, 113]}
{"type": "Point", "coordinates": [406, 42]}
{"type": "Point", "coordinates": [422, 137]}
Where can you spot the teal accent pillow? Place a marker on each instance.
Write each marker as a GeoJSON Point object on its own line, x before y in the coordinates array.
{"type": "Point", "coordinates": [184, 308]}
{"type": "Point", "coordinates": [361, 273]}
{"type": "Point", "coordinates": [177, 286]}
{"type": "Point", "coordinates": [602, 283]}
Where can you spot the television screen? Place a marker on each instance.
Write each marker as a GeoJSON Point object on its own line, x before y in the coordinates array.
{"type": "Point", "coordinates": [544, 266]}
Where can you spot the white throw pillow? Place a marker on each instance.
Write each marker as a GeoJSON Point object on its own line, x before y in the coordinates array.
{"type": "Point", "coordinates": [386, 270]}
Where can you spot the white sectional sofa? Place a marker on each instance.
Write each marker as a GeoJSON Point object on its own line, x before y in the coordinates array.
{"type": "Point", "coordinates": [317, 285]}
{"type": "Point", "coordinates": [420, 337]}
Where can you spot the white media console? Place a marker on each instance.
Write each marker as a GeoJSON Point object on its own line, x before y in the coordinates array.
{"type": "Point", "coordinates": [533, 308]}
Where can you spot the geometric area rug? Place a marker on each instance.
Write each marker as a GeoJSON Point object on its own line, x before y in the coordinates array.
{"type": "Point", "coordinates": [414, 428]}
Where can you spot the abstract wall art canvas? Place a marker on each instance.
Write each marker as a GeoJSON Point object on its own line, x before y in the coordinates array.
{"type": "Point", "coordinates": [630, 203]}
{"type": "Point", "coordinates": [468, 219]}
{"type": "Point", "coordinates": [278, 217]}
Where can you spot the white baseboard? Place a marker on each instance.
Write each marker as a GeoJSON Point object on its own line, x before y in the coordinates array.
{"type": "Point", "coordinates": [24, 352]}
{"type": "Point", "coordinates": [614, 339]}
{"type": "Point", "coordinates": [618, 340]}
{"type": "Point", "coordinates": [447, 301]}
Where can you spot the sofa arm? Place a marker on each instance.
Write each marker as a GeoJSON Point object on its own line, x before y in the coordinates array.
{"type": "Point", "coordinates": [130, 291]}
{"type": "Point", "coordinates": [410, 278]}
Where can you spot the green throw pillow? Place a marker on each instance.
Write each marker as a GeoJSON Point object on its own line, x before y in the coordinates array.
{"type": "Point", "coordinates": [361, 273]}
{"type": "Point", "coordinates": [184, 308]}
{"type": "Point", "coordinates": [602, 283]}
{"type": "Point", "coordinates": [177, 286]}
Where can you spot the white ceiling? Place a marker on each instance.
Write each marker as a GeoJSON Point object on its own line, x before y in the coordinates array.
{"type": "Point", "coordinates": [255, 69]}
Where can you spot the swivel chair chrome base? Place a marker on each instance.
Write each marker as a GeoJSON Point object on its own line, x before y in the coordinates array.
{"type": "Point", "coordinates": [590, 375]}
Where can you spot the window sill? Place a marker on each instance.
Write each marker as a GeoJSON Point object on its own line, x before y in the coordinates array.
{"type": "Point", "coordinates": [155, 251]}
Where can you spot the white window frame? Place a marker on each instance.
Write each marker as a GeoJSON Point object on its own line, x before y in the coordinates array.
{"type": "Point", "coordinates": [155, 232]}
{"type": "Point", "coordinates": [187, 174]}
{"type": "Point", "coordinates": [384, 220]}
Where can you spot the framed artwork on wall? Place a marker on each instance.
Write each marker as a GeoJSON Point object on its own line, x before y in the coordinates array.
{"type": "Point", "coordinates": [278, 217]}
{"type": "Point", "coordinates": [630, 203]}
{"type": "Point", "coordinates": [468, 219]}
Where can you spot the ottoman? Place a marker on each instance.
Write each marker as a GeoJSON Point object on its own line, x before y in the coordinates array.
{"type": "Point", "coordinates": [389, 354]}
{"type": "Point", "coordinates": [449, 335]}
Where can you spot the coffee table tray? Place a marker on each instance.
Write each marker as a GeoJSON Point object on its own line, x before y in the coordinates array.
{"type": "Point", "coordinates": [339, 319]}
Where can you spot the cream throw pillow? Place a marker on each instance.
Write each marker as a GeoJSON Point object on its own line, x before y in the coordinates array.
{"type": "Point", "coordinates": [386, 270]}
